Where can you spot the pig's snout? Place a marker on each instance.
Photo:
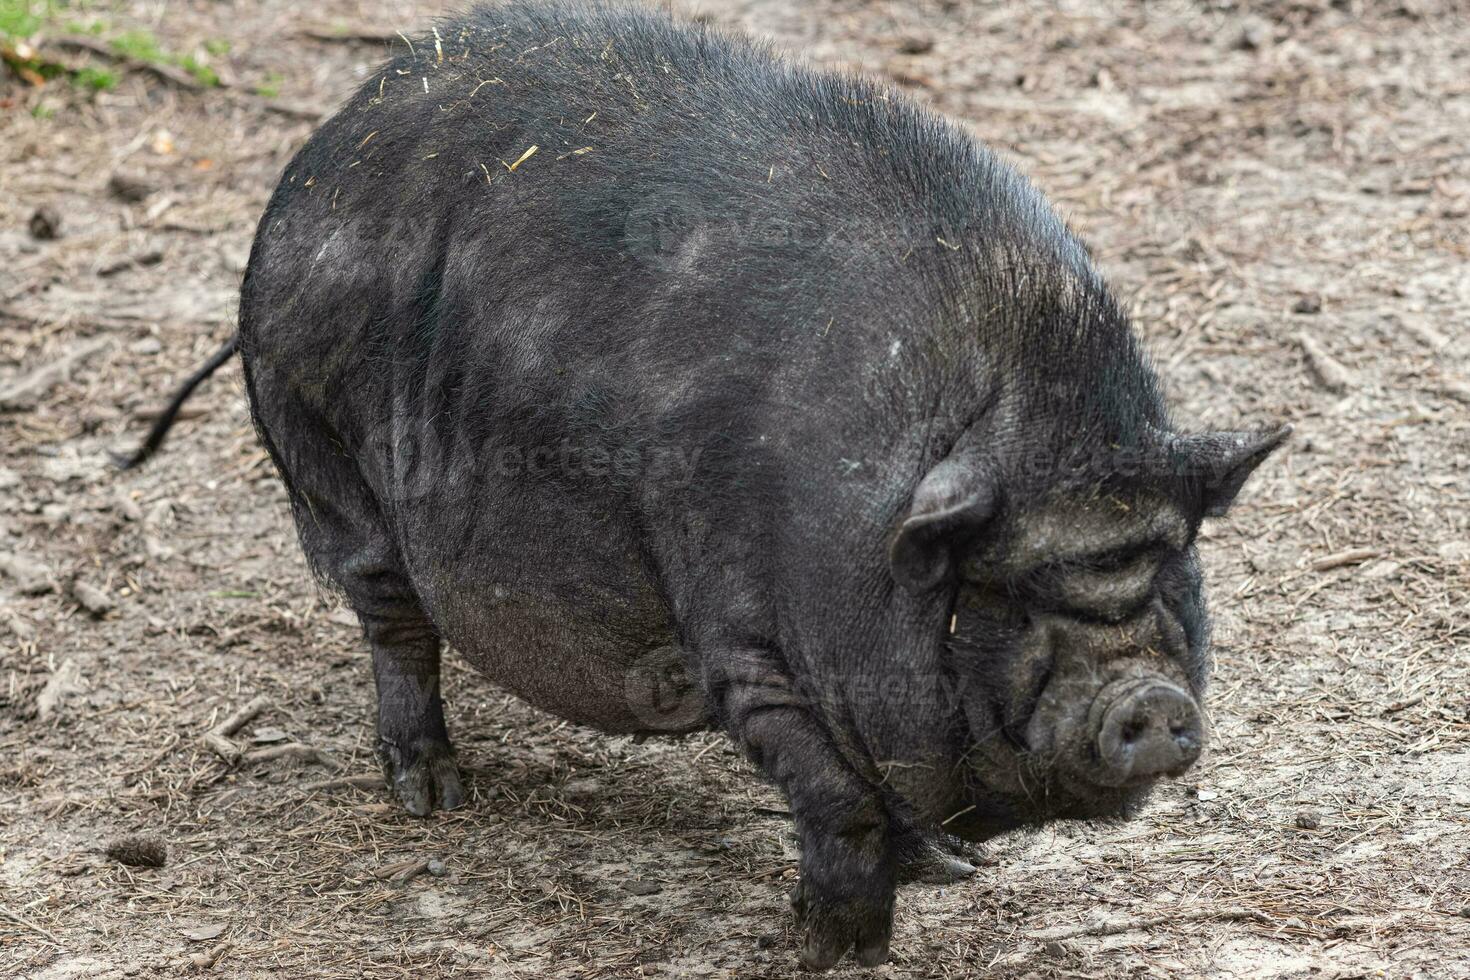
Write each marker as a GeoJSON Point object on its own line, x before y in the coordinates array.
{"type": "Point", "coordinates": [1143, 728]}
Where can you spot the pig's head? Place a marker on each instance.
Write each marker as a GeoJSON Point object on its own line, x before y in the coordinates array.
{"type": "Point", "coordinates": [1076, 639]}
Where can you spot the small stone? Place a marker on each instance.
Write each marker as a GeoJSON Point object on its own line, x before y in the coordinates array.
{"type": "Point", "coordinates": [642, 886]}
{"type": "Point", "coordinates": [126, 507]}
{"type": "Point", "coordinates": [437, 868]}
{"type": "Point", "coordinates": [31, 577]}
{"type": "Point", "coordinates": [129, 188]}
{"type": "Point", "coordinates": [1308, 820]}
{"type": "Point", "coordinates": [202, 934]}
{"type": "Point", "coordinates": [916, 43]}
{"type": "Point", "coordinates": [146, 346]}
{"type": "Point", "coordinates": [161, 514]}
{"type": "Point", "coordinates": [46, 223]}
{"type": "Point", "coordinates": [583, 787]}
{"type": "Point", "coordinates": [1382, 570]}
{"type": "Point", "coordinates": [92, 598]}
{"type": "Point", "coordinates": [1454, 551]}
{"type": "Point", "coordinates": [1255, 33]}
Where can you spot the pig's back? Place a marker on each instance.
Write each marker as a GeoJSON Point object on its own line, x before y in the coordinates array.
{"type": "Point", "coordinates": [554, 227]}
{"type": "Point", "coordinates": [586, 221]}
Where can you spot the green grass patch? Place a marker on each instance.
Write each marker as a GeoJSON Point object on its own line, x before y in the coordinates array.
{"type": "Point", "coordinates": [20, 19]}
{"type": "Point", "coordinates": [202, 73]}
{"type": "Point", "coordinates": [92, 27]}
{"type": "Point", "coordinates": [271, 87]}
{"type": "Point", "coordinates": [143, 46]}
{"type": "Point", "coordinates": [96, 79]}
{"type": "Point", "coordinates": [140, 46]}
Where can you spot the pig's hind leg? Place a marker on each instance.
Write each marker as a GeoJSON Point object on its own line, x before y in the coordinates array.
{"type": "Point", "coordinates": [413, 741]}
{"type": "Point", "coordinates": [349, 543]}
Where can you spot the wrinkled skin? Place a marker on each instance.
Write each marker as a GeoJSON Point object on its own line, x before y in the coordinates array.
{"type": "Point", "coordinates": [785, 407]}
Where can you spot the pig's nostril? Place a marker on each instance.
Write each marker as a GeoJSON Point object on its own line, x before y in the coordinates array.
{"type": "Point", "coordinates": [1148, 728]}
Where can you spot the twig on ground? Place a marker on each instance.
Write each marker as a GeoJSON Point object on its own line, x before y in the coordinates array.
{"type": "Point", "coordinates": [1119, 926]}
{"type": "Point", "coordinates": [27, 391]}
{"type": "Point", "coordinates": [1329, 373]}
{"type": "Point", "coordinates": [1345, 558]}
{"type": "Point", "coordinates": [218, 740]}
{"type": "Point", "coordinates": [292, 750]}
{"type": "Point", "coordinates": [307, 113]}
{"type": "Point", "coordinates": [18, 920]}
{"type": "Point", "coordinates": [402, 871]}
{"type": "Point", "coordinates": [236, 721]}
{"type": "Point", "coordinates": [152, 256]}
{"type": "Point", "coordinates": [349, 35]}
{"type": "Point", "coordinates": [185, 414]}
{"type": "Point", "coordinates": [363, 781]}
{"type": "Point", "coordinates": [207, 961]}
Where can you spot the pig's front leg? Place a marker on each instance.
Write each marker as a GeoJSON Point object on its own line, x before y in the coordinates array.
{"type": "Point", "coordinates": [844, 899]}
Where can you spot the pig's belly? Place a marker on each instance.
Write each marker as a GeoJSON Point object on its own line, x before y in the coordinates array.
{"type": "Point", "coordinates": [557, 608]}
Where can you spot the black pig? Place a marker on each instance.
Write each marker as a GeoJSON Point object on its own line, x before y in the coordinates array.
{"type": "Point", "coordinates": [675, 385]}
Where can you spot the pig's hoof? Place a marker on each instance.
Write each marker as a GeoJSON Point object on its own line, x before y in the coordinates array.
{"type": "Point", "coordinates": [941, 860]}
{"type": "Point", "coordinates": [423, 776]}
{"type": "Point", "coordinates": [937, 868]}
{"type": "Point", "coordinates": [835, 925]}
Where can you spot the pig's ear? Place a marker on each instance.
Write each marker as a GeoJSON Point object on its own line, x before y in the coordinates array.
{"type": "Point", "coordinates": [951, 506]}
{"type": "Point", "coordinates": [1219, 463]}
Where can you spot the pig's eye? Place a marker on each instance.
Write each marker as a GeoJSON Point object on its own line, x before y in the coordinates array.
{"type": "Point", "coordinates": [1110, 586]}
{"type": "Point", "coordinates": [1117, 559]}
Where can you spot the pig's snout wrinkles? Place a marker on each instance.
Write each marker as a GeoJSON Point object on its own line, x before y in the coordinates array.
{"type": "Point", "coordinates": [1116, 712]}
{"type": "Point", "coordinates": [1143, 728]}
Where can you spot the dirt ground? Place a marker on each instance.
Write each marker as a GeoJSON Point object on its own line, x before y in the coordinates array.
{"type": "Point", "coordinates": [1282, 192]}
